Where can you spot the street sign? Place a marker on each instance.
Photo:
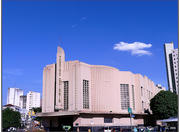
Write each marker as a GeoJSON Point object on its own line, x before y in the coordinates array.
{"type": "Point", "coordinates": [33, 117]}
{"type": "Point", "coordinates": [132, 116]}
{"type": "Point", "coordinates": [129, 110]}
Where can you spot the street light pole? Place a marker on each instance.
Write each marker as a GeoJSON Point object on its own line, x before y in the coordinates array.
{"type": "Point", "coordinates": [130, 122]}
{"type": "Point", "coordinates": [130, 113]}
{"type": "Point", "coordinates": [92, 125]}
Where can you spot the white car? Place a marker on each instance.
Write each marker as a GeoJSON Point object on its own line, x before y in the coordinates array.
{"type": "Point", "coordinates": [11, 129]}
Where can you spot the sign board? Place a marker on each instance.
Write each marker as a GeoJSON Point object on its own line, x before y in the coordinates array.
{"type": "Point", "coordinates": [77, 124]}
{"type": "Point", "coordinates": [66, 128]}
{"type": "Point", "coordinates": [31, 113]}
{"type": "Point", "coordinates": [107, 130]}
{"type": "Point", "coordinates": [129, 110]}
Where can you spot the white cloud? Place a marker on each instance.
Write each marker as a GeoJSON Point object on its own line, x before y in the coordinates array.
{"type": "Point", "coordinates": [75, 25]}
{"type": "Point", "coordinates": [136, 48]}
{"type": "Point", "coordinates": [83, 18]}
{"type": "Point", "coordinates": [16, 72]}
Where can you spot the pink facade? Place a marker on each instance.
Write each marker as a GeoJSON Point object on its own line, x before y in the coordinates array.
{"type": "Point", "coordinates": [77, 86]}
{"type": "Point", "coordinates": [48, 88]}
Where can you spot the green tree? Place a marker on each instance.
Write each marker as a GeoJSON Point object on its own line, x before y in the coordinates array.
{"type": "Point", "coordinates": [37, 109]}
{"type": "Point", "coordinates": [164, 105]}
{"type": "Point", "coordinates": [11, 118]}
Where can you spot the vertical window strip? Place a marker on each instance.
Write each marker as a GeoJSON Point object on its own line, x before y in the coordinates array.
{"type": "Point", "coordinates": [59, 90]}
{"type": "Point", "coordinates": [124, 89]}
{"type": "Point", "coordinates": [85, 94]}
{"type": "Point", "coordinates": [142, 105]}
{"type": "Point", "coordinates": [66, 93]}
{"type": "Point", "coordinates": [133, 97]}
{"type": "Point", "coordinates": [141, 91]}
{"type": "Point", "coordinates": [59, 65]}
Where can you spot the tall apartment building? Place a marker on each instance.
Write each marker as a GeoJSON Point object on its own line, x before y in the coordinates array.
{"type": "Point", "coordinates": [23, 100]}
{"type": "Point", "coordinates": [14, 96]}
{"type": "Point", "coordinates": [83, 95]}
{"type": "Point", "coordinates": [171, 57]}
{"type": "Point", "coordinates": [33, 100]}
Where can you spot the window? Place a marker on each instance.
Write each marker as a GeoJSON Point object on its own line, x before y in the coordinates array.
{"type": "Point", "coordinates": [142, 105]}
{"type": "Point", "coordinates": [66, 92]}
{"type": "Point", "coordinates": [108, 120]}
{"type": "Point", "coordinates": [59, 90]}
{"type": "Point", "coordinates": [141, 91]}
{"type": "Point", "coordinates": [133, 98]}
{"type": "Point", "coordinates": [59, 65]}
{"type": "Point", "coordinates": [124, 88]}
{"type": "Point", "coordinates": [59, 95]}
{"type": "Point", "coordinates": [85, 94]}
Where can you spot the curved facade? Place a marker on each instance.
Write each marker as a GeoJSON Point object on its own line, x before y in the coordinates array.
{"type": "Point", "coordinates": [80, 87]}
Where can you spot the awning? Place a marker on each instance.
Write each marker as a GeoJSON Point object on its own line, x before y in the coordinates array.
{"type": "Point", "coordinates": [169, 120]}
{"type": "Point", "coordinates": [72, 113]}
{"type": "Point", "coordinates": [61, 113]}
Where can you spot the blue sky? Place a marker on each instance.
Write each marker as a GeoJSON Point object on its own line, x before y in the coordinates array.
{"type": "Point", "coordinates": [88, 31]}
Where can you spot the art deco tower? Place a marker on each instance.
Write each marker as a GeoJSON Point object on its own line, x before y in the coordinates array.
{"type": "Point", "coordinates": [60, 62]}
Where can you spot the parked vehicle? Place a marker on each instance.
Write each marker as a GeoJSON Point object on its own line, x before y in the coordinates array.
{"type": "Point", "coordinates": [12, 129]}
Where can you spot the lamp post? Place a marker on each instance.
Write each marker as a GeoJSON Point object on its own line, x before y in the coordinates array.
{"type": "Point", "coordinates": [92, 125]}
{"type": "Point", "coordinates": [130, 122]}
{"type": "Point", "coordinates": [130, 112]}
{"type": "Point", "coordinates": [77, 125]}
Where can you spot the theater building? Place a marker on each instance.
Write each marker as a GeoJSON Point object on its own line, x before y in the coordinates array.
{"type": "Point", "coordinates": [93, 96]}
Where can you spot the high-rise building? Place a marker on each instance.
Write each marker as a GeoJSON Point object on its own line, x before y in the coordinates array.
{"type": "Point", "coordinates": [14, 96]}
{"type": "Point", "coordinates": [23, 100]}
{"type": "Point", "coordinates": [84, 95]}
{"type": "Point", "coordinates": [33, 100]}
{"type": "Point", "coordinates": [171, 56]}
